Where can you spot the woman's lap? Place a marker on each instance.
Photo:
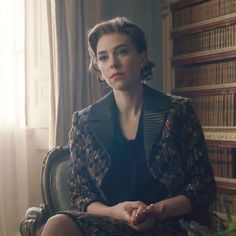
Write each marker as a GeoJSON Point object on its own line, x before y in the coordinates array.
{"type": "Point", "coordinates": [93, 225]}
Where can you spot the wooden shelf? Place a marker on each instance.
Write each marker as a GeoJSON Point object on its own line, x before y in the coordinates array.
{"type": "Point", "coordinates": [220, 142]}
{"type": "Point", "coordinates": [205, 90]}
{"type": "Point", "coordinates": [225, 183]}
{"type": "Point", "coordinates": [220, 138]}
{"type": "Point", "coordinates": [180, 4]}
{"type": "Point", "coordinates": [223, 216]}
{"type": "Point", "coordinates": [205, 87]}
{"type": "Point", "coordinates": [202, 57]}
{"type": "Point", "coordinates": [204, 25]}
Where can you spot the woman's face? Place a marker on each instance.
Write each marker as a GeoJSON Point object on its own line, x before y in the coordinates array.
{"type": "Point", "coordinates": [119, 62]}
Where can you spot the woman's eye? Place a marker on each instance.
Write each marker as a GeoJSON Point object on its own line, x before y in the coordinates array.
{"type": "Point", "coordinates": [122, 52]}
{"type": "Point", "coordinates": [102, 58]}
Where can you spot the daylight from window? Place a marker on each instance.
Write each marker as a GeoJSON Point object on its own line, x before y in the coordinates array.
{"type": "Point", "coordinates": [12, 62]}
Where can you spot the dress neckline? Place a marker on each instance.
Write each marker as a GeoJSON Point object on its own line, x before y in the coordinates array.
{"type": "Point", "coordinates": [138, 132]}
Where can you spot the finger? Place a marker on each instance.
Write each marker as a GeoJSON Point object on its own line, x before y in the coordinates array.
{"type": "Point", "coordinates": [139, 215]}
{"type": "Point", "coordinates": [150, 208]}
{"type": "Point", "coordinates": [146, 224]}
{"type": "Point", "coordinates": [137, 204]}
{"type": "Point", "coordinates": [140, 204]}
{"type": "Point", "coordinates": [127, 216]}
{"type": "Point", "coordinates": [141, 210]}
{"type": "Point", "coordinates": [133, 217]}
{"type": "Point", "coordinates": [131, 206]}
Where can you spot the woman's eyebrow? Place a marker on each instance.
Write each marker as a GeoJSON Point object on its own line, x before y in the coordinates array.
{"type": "Point", "coordinates": [101, 52]}
{"type": "Point", "coordinates": [115, 48]}
{"type": "Point", "coordinates": [119, 46]}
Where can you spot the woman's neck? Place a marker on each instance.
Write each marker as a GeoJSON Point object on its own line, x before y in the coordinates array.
{"type": "Point", "coordinates": [130, 102]}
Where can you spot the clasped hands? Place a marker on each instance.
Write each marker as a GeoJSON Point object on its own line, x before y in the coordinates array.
{"type": "Point", "coordinates": [138, 215]}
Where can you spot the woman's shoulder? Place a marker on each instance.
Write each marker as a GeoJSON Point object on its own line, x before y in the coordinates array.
{"type": "Point", "coordinates": [172, 101]}
{"type": "Point", "coordinates": [96, 109]}
{"type": "Point", "coordinates": [182, 106]}
{"type": "Point", "coordinates": [179, 100]}
{"type": "Point", "coordinates": [80, 117]}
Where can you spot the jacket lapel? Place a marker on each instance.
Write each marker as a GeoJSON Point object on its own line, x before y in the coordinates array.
{"type": "Point", "coordinates": [156, 105]}
{"type": "Point", "coordinates": [101, 120]}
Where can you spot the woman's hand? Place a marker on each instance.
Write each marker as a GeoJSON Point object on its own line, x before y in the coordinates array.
{"type": "Point", "coordinates": [141, 216]}
{"type": "Point", "coordinates": [145, 217]}
{"type": "Point", "coordinates": [124, 211]}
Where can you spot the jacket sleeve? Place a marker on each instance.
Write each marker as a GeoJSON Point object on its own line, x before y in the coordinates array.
{"type": "Point", "coordinates": [199, 185]}
{"type": "Point", "coordinates": [83, 189]}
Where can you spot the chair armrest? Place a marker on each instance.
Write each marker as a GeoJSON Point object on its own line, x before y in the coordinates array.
{"type": "Point", "coordinates": [35, 217]}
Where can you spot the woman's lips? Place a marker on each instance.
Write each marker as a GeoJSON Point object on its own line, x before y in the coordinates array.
{"type": "Point", "coordinates": [116, 74]}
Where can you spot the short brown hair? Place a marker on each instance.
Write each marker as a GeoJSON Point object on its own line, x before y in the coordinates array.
{"type": "Point", "coordinates": [120, 25]}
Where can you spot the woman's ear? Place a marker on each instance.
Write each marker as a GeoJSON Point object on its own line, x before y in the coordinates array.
{"type": "Point", "coordinates": [95, 64]}
{"type": "Point", "coordinates": [144, 58]}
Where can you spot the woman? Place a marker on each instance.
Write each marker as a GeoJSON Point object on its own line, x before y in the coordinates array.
{"type": "Point", "coordinates": [139, 158]}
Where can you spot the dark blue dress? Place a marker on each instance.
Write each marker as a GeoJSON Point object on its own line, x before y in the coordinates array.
{"type": "Point", "coordinates": [128, 178]}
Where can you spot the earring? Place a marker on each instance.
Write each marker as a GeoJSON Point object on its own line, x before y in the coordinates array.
{"type": "Point", "coordinates": [100, 77]}
{"type": "Point", "coordinates": [146, 71]}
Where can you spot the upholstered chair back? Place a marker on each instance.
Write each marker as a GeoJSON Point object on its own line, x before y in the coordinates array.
{"type": "Point", "coordinates": [54, 188]}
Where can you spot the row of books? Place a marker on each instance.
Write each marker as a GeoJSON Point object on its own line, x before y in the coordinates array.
{"type": "Point", "coordinates": [226, 199]}
{"type": "Point", "coordinates": [223, 161]}
{"type": "Point", "coordinates": [203, 11]}
{"type": "Point", "coordinates": [211, 39]}
{"type": "Point", "coordinates": [216, 110]}
{"type": "Point", "coordinates": [220, 72]}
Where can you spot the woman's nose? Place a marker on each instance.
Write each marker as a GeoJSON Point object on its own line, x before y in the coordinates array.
{"type": "Point", "coordinates": [114, 62]}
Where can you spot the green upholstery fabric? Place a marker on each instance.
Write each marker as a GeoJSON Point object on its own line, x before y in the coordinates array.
{"type": "Point", "coordinates": [55, 176]}
{"type": "Point", "coordinates": [61, 185]}
{"type": "Point", "coordinates": [55, 191]}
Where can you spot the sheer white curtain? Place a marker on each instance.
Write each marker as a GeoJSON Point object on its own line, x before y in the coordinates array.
{"type": "Point", "coordinates": [13, 156]}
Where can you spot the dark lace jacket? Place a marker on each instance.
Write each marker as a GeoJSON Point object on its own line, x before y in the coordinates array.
{"type": "Point", "coordinates": [173, 141]}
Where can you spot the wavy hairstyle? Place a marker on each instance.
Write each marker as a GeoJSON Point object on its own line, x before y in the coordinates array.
{"type": "Point", "coordinates": [124, 26]}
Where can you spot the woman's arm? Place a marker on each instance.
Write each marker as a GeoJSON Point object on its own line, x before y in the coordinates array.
{"type": "Point", "coordinates": [83, 190]}
{"type": "Point", "coordinates": [200, 185]}
{"type": "Point", "coordinates": [175, 206]}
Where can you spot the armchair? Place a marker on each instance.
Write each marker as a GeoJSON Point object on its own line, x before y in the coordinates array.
{"type": "Point", "coordinates": [55, 195]}
{"type": "Point", "coordinates": [55, 191]}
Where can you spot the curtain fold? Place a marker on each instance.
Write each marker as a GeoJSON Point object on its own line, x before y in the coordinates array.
{"type": "Point", "coordinates": [13, 149]}
{"type": "Point", "coordinates": [13, 181]}
{"type": "Point", "coordinates": [72, 87]}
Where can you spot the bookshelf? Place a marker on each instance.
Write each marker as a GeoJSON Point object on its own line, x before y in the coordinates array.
{"type": "Point", "coordinates": [199, 48]}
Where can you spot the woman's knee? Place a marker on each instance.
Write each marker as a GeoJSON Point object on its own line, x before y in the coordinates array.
{"type": "Point", "coordinates": [60, 224]}
{"type": "Point", "coordinates": [59, 219]}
